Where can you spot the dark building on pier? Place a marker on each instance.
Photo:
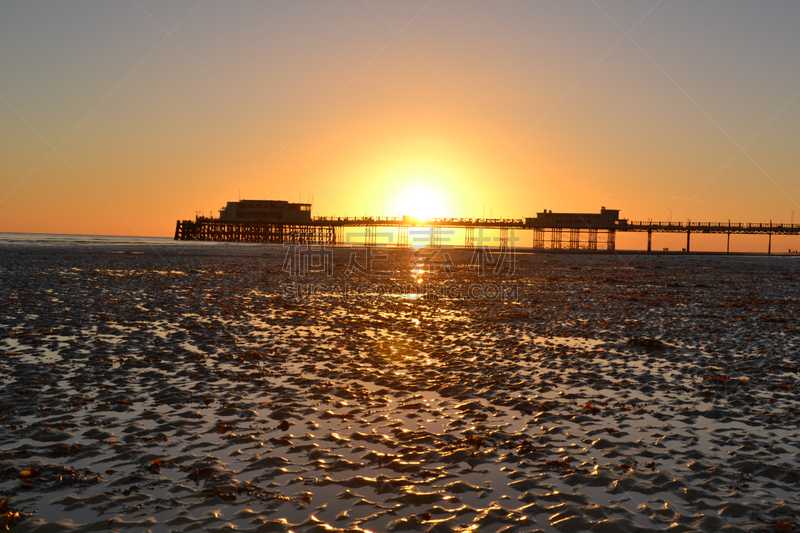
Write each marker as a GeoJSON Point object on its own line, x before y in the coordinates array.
{"type": "Point", "coordinates": [265, 211]}
{"type": "Point", "coordinates": [607, 218]}
{"type": "Point", "coordinates": [267, 221]}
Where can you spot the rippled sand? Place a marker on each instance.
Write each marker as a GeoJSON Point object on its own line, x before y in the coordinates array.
{"type": "Point", "coordinates": [203, 388]}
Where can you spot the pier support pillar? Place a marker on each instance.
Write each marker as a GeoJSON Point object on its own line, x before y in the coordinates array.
{"type": "Point", "coordinates": [370, 236]}
{"type": "Point", "coordinates": [555, 238]}
{"type": "Point", "coordinates": [504, 237]}
{"type": "Point", "coordinates": [769, 246]}
{"type": "Point", "coordinates": [538, 238]}
{"type": "Point", "coordinates": [324, 235]}
{"type": "Point", "coordinates": [574, 238]}
{"type": "Point", "coordinates": [592, 239]}
{"type": "Point", "coordinates": [402, 236]}
{"type": "Point", "coordinates": [611, 242]}
{"type": "Point", "coordinates": [729, 243]}
{"type": "Point", "coordinates": [688, 238]}
{"type": "Point", "coordinates": [436, 237]}
{"type": "Point", "coordinates": [469, 238]}
{"type": "Point", "coordinates": [649, 240]}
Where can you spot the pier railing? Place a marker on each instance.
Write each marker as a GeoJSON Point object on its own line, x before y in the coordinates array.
{"type": "Point", "coordinates": [409, 221]}
{"type": "Point", "coordinates": [713, 227]}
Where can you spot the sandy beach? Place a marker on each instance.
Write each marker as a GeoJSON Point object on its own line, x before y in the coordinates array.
{"type": "Point", "coordinates": [214, 388]}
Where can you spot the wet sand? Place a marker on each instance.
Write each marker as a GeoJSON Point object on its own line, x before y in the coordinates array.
{"type": "Point", "coordinates": [179, 388]}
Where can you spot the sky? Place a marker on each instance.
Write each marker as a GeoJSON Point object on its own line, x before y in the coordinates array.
{"type": "Point", "coordinates": [119, 118]}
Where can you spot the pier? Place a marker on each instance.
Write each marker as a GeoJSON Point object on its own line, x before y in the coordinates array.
{"type": "Point", "coordinates": [551, 231]}
{"type": "Point", "coordinates": [727, 228]}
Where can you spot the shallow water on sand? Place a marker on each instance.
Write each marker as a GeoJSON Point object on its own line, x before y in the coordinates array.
{"type": "Point", "coordinates": [173, 388]}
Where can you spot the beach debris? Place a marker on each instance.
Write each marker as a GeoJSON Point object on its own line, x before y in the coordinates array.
{"type": "Point", "coordinates": [224, 428]}
{"type": "Point", "coordinates": [303, 499]}
{"type": "Point", "coordinates": [785, 526]}
{"type": "Point", "coordinates": [9, 517]}
{"type": "Point", "coordinates": [475, 441]}
{"type": "Point", "coordinates": [651, 345]}
{"type": "Point", "coordinates": [155, 465]}
{"type": "Point", "coordinates": [720, 378]}
{"type": "Point", "coordinates": [63, 450]}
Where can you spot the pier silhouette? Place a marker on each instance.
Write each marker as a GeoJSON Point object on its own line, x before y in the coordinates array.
{"type": "Point", "coordinates": [551, 231]}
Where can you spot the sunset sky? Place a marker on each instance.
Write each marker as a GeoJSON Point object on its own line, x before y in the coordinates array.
{"type": "Point", "coordinates": [118, 118]}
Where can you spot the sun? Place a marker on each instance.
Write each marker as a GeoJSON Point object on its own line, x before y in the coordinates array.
{"type": "Point", "coordinates": [420, 202]}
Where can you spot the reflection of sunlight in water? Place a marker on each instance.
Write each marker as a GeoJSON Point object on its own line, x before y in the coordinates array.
{"type": "Point", "coordinates": [410, 296]}
{"type": "Point", "coordinates": [418, 271]}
